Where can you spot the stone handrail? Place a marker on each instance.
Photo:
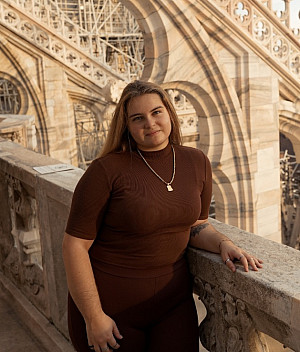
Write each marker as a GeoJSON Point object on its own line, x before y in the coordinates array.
{"type": "Point", "coordinates": [33, 212]}
{"type": "Point", "coordinates": [242, 305]}
{"type": "Point", "coordinates": [262, 31]}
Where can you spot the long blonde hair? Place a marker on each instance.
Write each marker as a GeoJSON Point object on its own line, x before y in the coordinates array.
{"type": "Point", "coordinates": [118, 138]}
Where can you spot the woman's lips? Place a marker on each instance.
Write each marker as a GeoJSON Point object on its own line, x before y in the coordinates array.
{"type": "Point", "coordinates": [152, 133]}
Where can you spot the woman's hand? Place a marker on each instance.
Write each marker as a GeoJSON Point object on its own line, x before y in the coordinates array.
{"type": "Point", "coordinates": [101, 329]}
{"type": "Point", "coordinates": [205, 236]}
{"type": "Point", "coordinates": [231, 253]}
{"type": "Point", "coordinates": [102, 333]}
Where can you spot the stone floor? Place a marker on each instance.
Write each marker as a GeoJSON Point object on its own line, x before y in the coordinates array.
{"type": "Point", "coordinates": [15, 336]}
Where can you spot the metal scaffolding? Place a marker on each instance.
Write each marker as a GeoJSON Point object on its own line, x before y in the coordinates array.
{"type": "Point", "coordinates": [290, 205]}
{"type": "Point", "coordinates": [90, 134]}
{"type": "Point", "coordinates": [111, 30]}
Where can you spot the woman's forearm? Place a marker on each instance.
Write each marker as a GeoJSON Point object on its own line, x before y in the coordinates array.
{"type": "Point", "coordinates": [203, 235]}
{"type": "Point", "coordinates": [80, 277]}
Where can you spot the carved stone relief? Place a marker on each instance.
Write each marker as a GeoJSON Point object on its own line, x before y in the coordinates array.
{"type": "Point", "coordinates": [228, 325]}
{"type": "Point", "coordinates": [16, 136]}
{"type": "Point", "coordinates": [23, 264]}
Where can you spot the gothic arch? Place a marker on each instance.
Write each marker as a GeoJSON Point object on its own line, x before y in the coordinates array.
{"type": "Point", "coordinates": [211, 142]}
{"type": "Point", "coordinates": [156, 46]}
{"type": "Point", "coordinates": [203, 80]}
{"type": "Point", "coordinates": [32, 92]}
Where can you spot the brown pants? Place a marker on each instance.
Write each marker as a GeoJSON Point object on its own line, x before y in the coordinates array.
{"type": "Point", "coordinates": [152, 314]}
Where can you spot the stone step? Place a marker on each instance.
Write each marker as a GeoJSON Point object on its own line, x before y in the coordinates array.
{"type": "Point", "coordinates": [23, 327]}
{"type": "Point", "coordinates": [14, 335]}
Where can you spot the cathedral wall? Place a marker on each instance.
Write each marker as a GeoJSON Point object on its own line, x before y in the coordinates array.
{"type": "Point", "coordinates": [235, 94]}
{"type": "Point", "coordinates": [48, 91]}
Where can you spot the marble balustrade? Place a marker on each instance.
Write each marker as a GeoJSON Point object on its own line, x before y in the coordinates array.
{"type": "Point", "coordinates": [240, 306]}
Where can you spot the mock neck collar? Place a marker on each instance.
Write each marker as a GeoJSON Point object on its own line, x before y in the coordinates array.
{"type": "Point", "coordinates": [157, 153]}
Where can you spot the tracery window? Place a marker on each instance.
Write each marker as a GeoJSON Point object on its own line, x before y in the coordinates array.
{"type": "Point", "coordinates": [10, 100]}
{"type": "Point", "coordinates": [290, 194]}
{"type": "Point", "coordinates": [186, 113]}
{"type": "Point", "coordinates": [90, 134]}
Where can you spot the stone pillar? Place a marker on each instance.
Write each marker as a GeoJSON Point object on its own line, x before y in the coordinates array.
{"type": "Point", "coordinates": [260, 104]}
{"type": "Point", "coordinates": [60, 115]}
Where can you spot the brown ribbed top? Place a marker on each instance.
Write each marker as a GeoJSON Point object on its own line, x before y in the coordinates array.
{"type": "Point", "coordinates": [139, 228]}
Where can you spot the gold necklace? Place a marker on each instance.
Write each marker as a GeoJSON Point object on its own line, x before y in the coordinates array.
{"type": "Point", "coordinates": [169, 187]}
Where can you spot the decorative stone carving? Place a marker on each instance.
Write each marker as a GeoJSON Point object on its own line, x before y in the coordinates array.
{"type": "Point", "coordinates": [23, 264]}
{"type": "Point", "coordinates": [12, 266]}
{"type": "Point", "coordinates": [241, 12]}
{"type": "Point", "coordinates": [223, 2]}
{"type": "Point", "coordinates": [228, 325]}
{"type": "Point", "coordinates": [186, 113]}
{"type": "Point", "coordinates": [113, 90]}
{"type": "Point", "coordinates": [295, 64]}
{"type": "Point", "coordinates": [280, 48]}
{"type": "Point", "coordinates": [16, 136]}
{"type": "Point", "coordinates": [19, 129]}
{"type": "Point", "coordinates": [256, 21]}
{"type": "Point", "coordinates": [112, 93]}
{"type": "Point", "coordinates": [24, 224]}
{"type": "Point", "coordinates": [207, 329]}
{"type": "Point", "coordinates": [262, 30]}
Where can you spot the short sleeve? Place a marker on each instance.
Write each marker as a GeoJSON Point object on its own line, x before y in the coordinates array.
{"type": "Point", "coordinates": [206, 193]}
{"type": "Point", "coordinates": [89, 202]}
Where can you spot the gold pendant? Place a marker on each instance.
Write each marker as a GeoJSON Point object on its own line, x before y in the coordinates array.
{"type": "Point", "coordinates": [169, 188]}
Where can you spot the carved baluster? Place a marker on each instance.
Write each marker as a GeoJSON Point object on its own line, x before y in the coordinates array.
{"type": "Point", "coordinates": [228, 325]}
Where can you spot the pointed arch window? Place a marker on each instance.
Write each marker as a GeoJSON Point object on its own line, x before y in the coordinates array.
{"type": "Point", "coordinates": [90, 134]}
{"type": "Point", "coordinates": [10, 100]}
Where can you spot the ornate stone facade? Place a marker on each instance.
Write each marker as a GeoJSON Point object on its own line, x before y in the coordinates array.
{"type": "Point", "coordinates": [238, 73]}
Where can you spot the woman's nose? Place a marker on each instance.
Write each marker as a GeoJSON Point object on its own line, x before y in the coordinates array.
{"type": "Point", "coordinates": [149, 122]}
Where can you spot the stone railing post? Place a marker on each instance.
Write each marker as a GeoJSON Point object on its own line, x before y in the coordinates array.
{"type": "Point", "coordinates": [241, 306]}
{"type": "Point", "coordinates": [228, 325]}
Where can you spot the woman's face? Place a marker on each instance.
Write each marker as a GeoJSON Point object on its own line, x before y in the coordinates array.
{"type": "Point", "coordinates": [149, 122]}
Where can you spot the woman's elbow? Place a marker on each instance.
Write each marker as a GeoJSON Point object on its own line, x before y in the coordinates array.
{"type": "Point", "coordinates": [70, 244]}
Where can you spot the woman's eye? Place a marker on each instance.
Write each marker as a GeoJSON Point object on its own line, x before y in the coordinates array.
{"type": "Point", "coordinates": [137, 118]}
{"type": "Point", "coordinates": [156, 112]}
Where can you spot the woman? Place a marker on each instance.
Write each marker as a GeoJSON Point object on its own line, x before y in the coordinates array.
{"type": "Point", "coordinates": [133, 213]}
